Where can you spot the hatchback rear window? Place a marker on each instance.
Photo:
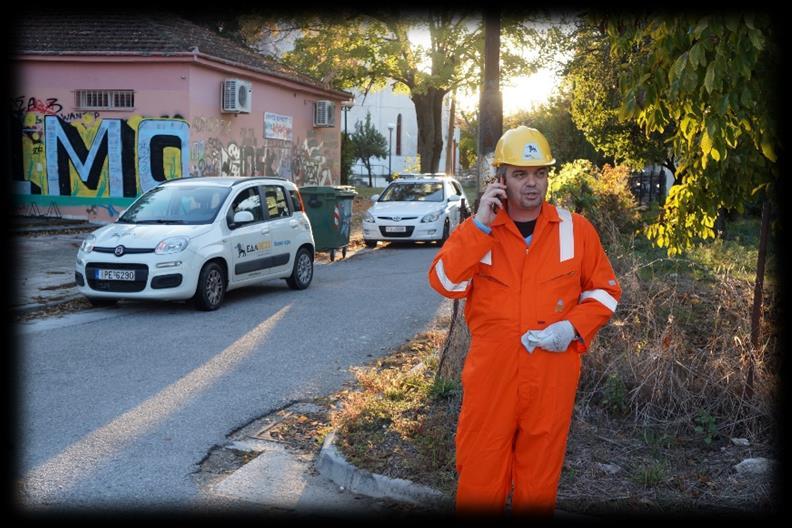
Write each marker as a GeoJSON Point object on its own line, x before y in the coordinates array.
{"type": "Point", "coordinates": [413, 192]}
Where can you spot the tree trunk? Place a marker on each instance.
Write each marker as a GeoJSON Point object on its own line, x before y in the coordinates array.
{"type": "Point", "coordinates": [490, 101]}
{"type": "Point", "coordinates": [457, 342]}
{"type": "Point", "coordinates": [756, 314]}
{"type": "Point", "coordinates": [429, 112]}
{"type": "Point", "coordinates": [450, 138]}
{"type": "Point", "coordinates": [456, 345]}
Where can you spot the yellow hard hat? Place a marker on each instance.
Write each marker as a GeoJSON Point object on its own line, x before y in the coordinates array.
{"type": "Point", "coordinates": [524, 147]}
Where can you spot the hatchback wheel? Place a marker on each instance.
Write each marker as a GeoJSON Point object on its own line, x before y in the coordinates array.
{"type": "Point", "coordinates": [211, 287]}
{"type": "Point", "coordinates": [370, 243]}
{"type": "Point", "coordinates": [302, 273]}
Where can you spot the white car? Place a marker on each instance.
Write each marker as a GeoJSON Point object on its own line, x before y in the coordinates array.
{"type": "Point", "coordinates": [197, 238]}
{"type": "Point", "coordinates": [416, 208]}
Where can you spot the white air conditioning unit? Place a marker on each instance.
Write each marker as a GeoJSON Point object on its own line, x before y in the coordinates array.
{"type": "Point", "coordinates": [237, 96]}
{"type": "Point", "coordinates": [324, 114]}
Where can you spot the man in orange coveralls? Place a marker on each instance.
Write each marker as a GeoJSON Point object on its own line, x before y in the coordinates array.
{"type": "Point", "coordinates": [538, 287]}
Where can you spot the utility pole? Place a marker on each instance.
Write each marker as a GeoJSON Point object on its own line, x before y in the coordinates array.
{"type": "Point", "coordinates": [490, 101]}
{"type": "Point", "coordinates": [452, 357]}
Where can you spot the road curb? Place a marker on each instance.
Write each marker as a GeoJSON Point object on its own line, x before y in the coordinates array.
{"type": "Point", "coordinates": [32, 307]}
{"type": "Point", "coordinates": [332, 465]}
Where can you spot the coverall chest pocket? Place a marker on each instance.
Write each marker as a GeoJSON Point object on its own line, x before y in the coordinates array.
{"type": "Point", "coordinates": [492, 291]}
{"type": "Point", "coordinates": [558, 293]}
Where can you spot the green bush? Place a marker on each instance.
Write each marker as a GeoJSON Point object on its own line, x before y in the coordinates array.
{"type": "Point", "coordinates": [601, 195]}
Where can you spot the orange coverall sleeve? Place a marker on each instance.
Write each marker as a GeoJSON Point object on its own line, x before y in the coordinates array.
{"type": "Point", "coordinates": [600, 289]}
{"type": "Point", "coordinates": [457, 261]}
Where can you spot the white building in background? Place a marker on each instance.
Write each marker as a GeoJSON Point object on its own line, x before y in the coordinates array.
{"type": "Point", "coordinates": [389, 108]}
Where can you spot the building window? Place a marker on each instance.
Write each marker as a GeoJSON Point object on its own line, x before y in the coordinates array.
{"type": "Point", "coordinates": [105, 99]}
{"type": "Point", "coordinates": [398, 135]}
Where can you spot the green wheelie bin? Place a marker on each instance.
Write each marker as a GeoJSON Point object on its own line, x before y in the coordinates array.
{"type": "Point", "coordinates": [329, 208]}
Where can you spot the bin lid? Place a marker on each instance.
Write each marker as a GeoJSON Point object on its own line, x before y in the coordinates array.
{"type": "Point", "coordinates": [317, 188]}
{"type": "Point", "coordinates": [344, 191]}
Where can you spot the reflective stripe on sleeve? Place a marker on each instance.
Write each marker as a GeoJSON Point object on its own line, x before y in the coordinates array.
{"type": "Point", "coordinates": [602, 296]}
{"type": "Point", "coordinates": [446, 282]}
{"type": "Point", "coordinates": [487, 259]}
{"type": "Point", "coordinates": [566, 237]}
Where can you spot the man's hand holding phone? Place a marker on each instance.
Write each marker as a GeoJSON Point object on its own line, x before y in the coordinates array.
{"type": "Point", "coordinates": [492, 200]}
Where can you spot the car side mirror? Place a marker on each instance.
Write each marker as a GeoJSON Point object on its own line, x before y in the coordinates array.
{"type": "Point", "coordinates": [243, 217]}
{"type": "Point", "coordinates": [454, 198]}
{"type": "Point", "coordinates": [375, 197]}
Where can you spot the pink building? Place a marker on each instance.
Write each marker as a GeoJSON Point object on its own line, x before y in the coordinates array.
{"type": "Point", "coordinates": [106, 107]}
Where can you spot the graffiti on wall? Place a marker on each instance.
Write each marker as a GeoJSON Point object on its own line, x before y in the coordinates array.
{"type": "Point", "coordinates": [248, 156]}
{"type": "Point", "coordinates": [314, 159]}
{"type": "Point", "coordinates": [81, 154]}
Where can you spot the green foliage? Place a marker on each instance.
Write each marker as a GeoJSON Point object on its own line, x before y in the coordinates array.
{"type": "Point", "coordinates": [372, 49]}
{"type": "Point", "coordinates": [592, 79]}
{"type": "Point", "coordinates": [656, 440]}
{"type": "Point", "coordinates": [444, 388]}
{"type": "Point", "coordinates": [554, 120]}
{"type": "Point", "coordinates": [707, 84]}
{"type": "Point", "coordinates": [348, 157]}
{"type": "Point", "coordinates": [651, 475]}
{"type": "Point", "coordinates": [573, 185]}
{"type": "Point", "coordinates": [706, 426]}
{"type": "Point", "coordinates": [467, 150]}
{"type": "Point", "coordinates": [602, 196]}
{"type": "Point", "coordinates": [367, 143]}
{"type": "Point", "coordinates": [614, 395]}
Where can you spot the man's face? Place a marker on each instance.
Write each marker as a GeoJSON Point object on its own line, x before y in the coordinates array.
{"type": "Point", "coordinates": [526, 186]}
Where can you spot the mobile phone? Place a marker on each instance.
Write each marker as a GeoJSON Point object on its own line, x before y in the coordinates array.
{"type": "Point", "coordinates": [501, 179]}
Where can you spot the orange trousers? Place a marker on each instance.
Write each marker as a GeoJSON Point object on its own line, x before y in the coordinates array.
{"type": "Point", "coordinates": [513, 426]}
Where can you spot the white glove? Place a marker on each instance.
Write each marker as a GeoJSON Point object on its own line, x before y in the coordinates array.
{"type": "Point", "coordinates": [555, 338]}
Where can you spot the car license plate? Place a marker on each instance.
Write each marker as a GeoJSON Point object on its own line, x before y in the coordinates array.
{"type": "Point", "coordinates": [122, 275]}
{"type": "Point", "coordinates": [396, 229]}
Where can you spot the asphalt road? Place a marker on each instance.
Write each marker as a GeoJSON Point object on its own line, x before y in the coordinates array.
{"type": "Point", "coordinates": [118, 406]}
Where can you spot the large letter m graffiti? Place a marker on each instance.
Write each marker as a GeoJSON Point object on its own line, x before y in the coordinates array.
{"type": "Point", "coordinates": [114, 142]}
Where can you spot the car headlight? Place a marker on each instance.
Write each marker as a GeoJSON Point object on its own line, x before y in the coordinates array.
{"type": "Point", "coordinates": [171, 245]}
{"type": "Point", "coordinates": [368, 217]}
{"type": "Point", "coordinates": [432, 217]}
{"type": "Point", "coordinates": [88, 244]}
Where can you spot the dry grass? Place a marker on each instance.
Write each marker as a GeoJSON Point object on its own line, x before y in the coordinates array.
{"type": "Point", "coordinates": [676, 353]}
{"type": "Point", "coordinates": [396, 422]}
{"type": "Point", "coordinates": [662, 391]}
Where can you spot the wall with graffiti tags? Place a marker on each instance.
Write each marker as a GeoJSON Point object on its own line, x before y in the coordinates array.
{"type": "Point", "coordinates": [95, 162]}
{"type": "Point", "coordinates": [276, 139]}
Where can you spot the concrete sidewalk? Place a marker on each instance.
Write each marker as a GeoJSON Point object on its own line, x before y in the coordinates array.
{"type": "Point", "coordinates": [44, 258]}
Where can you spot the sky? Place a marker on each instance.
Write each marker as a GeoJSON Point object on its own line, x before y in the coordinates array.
{"type": "Point", "coordinates": [519, 93]}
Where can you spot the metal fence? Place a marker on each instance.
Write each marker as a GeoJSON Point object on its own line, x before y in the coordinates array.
{"type": "Point", "coordinates": [379, 175]}
{"type": "Point", "coordinates": [649, 185]}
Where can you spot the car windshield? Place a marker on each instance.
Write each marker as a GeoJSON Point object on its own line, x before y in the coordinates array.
{"type": "Point", "coordinates": [413, 192]}
{"type": "Point", "coordinates": [176, 204]}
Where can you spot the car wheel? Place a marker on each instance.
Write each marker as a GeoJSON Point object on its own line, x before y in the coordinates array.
{"type": "Point", "coordinates": [446, 232]}
{"type": "Point", "coordinates": [211, 287]}
{"type": "Point", "coordinates": [99, 302]}
{"type": "Point", "coordinates": [370, 243]}
{"type": "Point", "coordinates": [302, 273]}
